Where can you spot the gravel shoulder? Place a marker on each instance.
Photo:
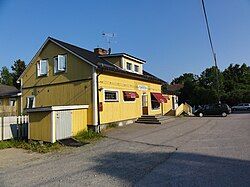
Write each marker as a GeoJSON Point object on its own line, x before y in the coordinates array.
{"type": "Point", "coordinates": [186, 151]}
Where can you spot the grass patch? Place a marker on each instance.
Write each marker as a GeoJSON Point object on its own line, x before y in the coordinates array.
{"type": "Point", "coordinates": [88, 136]}
{"type": "Point", "coordinates": [111, 125]}
{"type": "Point", "coordinates": [31, 145]}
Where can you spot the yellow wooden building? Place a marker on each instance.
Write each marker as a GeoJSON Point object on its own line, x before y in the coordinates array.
{"type": "Point", "coordinates": [115, 87]}
{"type": "Point", "coordinates": [9, 100]}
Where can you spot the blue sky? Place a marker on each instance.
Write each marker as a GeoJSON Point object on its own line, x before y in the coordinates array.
{"type": "Point", "coordinates": [169, 34]}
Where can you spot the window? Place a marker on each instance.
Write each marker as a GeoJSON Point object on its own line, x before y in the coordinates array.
{"type": "Point", "coordinates": [60, 63]}
{"type": "Point", "coordinates": [31, 102]}
{"type": "Point", "coordinates": [154, 103]}
{"type": "Point", "coordinates": [12, 102]}
{"type": "Point", "coordinates": [136, 68]}
{"type": "Point", "coordinates": [42, 67]}
{"type": "Point", "coordinates": [111, 95]}
{"type": "Point", "coordinates": [129, 66]}
{"type": "Point", "coordinates": [129, 96]}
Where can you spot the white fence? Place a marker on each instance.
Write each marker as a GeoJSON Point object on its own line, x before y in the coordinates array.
{"type": "Point", "coordinates": [13, 127]}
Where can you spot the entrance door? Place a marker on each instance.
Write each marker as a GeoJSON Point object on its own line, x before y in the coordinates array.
{"type": "Point", "coordinates": [144, 104]}
{"type": "Point", "coordinates": [63, 125]}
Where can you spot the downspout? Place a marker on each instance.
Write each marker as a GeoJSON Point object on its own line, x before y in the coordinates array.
{"type": "Point", "coordinates": [98, 104]}
{"type": "Point", "coordinates": [96, 110]}
{"type": "Point", "coordinates": [94, 101]}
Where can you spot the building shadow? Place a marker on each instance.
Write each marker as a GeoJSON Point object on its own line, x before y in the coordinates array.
{"type": "Point", "coordinates": [241, 112]}
{"type": "Point", "coordinates": [177, 169]}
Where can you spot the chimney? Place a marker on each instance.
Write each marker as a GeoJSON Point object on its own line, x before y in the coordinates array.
{"type": "Point", "coordinates": [100, 51]}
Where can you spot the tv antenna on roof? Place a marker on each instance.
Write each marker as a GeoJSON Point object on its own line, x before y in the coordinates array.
{"type": "Point", "coordinates": [109, 38]}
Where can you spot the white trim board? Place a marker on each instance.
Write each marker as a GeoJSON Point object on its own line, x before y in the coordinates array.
{"type": "Point", "coordinates": [57, 108]}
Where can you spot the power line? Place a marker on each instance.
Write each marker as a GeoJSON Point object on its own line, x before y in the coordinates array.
{"type": "Point", "coordinates": [212, 47]}
{"type": "Point", "coordinates": [208, 32]}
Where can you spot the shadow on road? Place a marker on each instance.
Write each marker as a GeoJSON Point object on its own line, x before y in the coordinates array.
{"type": "Point", "coordinates": [176, 169]}
{"type": "Point", "coordinates": [241, 112]}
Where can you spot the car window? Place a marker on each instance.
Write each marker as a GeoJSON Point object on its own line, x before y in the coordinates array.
{"type": "Point", "coordinates": [207, 107]}
{"type": "Point", "coordinates": [240, 104]}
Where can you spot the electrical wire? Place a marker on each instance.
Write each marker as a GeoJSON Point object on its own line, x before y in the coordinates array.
{"type": "Point", "coordinates": [212, 48]}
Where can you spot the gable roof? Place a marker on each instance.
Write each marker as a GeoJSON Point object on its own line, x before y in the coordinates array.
{"type": "Point", "coordinates": [96, 61]}
{"type": "Point", "coordinates": [6, 90]}
{"type": "Point", "coordinates": [83, 53]}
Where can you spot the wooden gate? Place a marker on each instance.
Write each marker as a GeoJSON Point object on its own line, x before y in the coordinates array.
{"type": "Point", "coordinates": [63, 124]}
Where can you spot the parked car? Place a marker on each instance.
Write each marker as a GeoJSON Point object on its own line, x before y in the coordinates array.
{"type": "Point", "coordinates": [241, 107]}
{"type": "Point", "coordinates": [213, 109]}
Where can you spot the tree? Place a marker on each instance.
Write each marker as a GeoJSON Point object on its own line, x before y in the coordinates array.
{"type": "Point", "coordinates": [6, 77]}
{"type": "Point", "coordinates": [17, 69]}
{"type": "Point", "coordinates": [209, 80]}
{"type": "Point", "coordinates": [185, 77]}
{"type": "Point", "coordinates": [233, 87]}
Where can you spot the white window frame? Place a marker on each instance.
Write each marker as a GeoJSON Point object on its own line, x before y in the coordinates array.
{"type": "Point", "coordinates": [138, 67]}
{"type": "Point", "coordinates": [39, 73]}
{"type": "Point", "coordinates": [131, 66]}
{"type": "Point", "coordinates": [12, 99]}
{"type": "Point", "coordinates": [111, 100]}
{"type": "Point", "coordinates": [34, 100]}
{"type": "Point", "coordinates": [56, 64]}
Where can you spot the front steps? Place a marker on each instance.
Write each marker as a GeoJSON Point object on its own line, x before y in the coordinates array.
{"type": "Point", "coordinates": [150, 119]}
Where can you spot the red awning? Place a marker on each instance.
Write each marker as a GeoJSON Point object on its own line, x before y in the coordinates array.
{"type": "Point", "coordinates": [130, 95]}
{"type": "Point", "coordinates": [167, 97]}
{"type": "Point", "coordinates": [159, 97]}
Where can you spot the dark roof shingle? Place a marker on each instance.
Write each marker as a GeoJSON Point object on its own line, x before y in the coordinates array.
{"type": "Point", "coordinates": [105, 65]}
{"type": "Point", "coordinates": [6, 90]}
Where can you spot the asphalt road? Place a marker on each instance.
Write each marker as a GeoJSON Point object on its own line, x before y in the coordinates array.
{"type": "Point", "coordinates": [209, 151]}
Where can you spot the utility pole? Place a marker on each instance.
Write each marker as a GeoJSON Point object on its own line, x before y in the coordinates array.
{"type": "Point", "coordinates": [212, 49]}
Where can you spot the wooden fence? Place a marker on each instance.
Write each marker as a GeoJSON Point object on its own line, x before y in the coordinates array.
{"type": "Point", "coordinates": [12, 127]}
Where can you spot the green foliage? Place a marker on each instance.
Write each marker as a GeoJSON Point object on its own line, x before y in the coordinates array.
{"type": "Point", "coordinates": [17, 69]}
{"type": "Point", "coordinates": [10, 78]}
{"type": "Point", "coordinates": [184, 78]}
{"type": "Point", "coordinates": [32, 146]}
{"type": "Point", "coordinates": [87, 136]}
{"type": "Point", "coordinates": [164, 88]}
{"type": "Point", "coordinates": [233, 85]}
{"type": "Point", "coordinates": [5, 76]}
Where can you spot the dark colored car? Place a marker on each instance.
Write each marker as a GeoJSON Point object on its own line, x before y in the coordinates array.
{"type": "Point", "coordinates": [214, 109]}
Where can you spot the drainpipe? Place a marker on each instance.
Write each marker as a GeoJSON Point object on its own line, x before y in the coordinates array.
{"type": "Point", "coordinates": [96, 110]}
{"type": "Point", "coordinates": [94, 102]}
{"type": "Point", "coordinates": [98, 104]}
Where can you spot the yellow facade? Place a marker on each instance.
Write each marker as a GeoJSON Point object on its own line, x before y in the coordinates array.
{"type": "Point", "coordinates": [8, 110]}
{"type": "Point", "coordinates": [72, 87]}
{"type": "Point", "coordinates": [169, 105]}
{"type": "Point", "coordinates": [79, 121]}
{"type": "Point", "coordinates": [124, 110]}
{"type": "Point", "coordinates": [40, 126]}
{"type": "Point", "coordinates": [75, 87]}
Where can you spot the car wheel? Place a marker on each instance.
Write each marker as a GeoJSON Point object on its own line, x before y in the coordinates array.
{"type": "Point", "coordinates": [200, 114]}
{"type": "Point", "coordinates": [224, 114]}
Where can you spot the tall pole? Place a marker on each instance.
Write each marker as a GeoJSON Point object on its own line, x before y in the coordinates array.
{"type": "Point", "coordinates": [212, 49]}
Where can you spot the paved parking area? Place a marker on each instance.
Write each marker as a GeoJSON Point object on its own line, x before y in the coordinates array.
{"type": "Point", "coordinates": [209, 151]}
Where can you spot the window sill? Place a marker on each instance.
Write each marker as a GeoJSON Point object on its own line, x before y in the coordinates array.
{"type": "Point", "coordinates": [156, 108]}
{"type": "Point", "coordinates": [59, 72]}
{"type": "Point", "coordinates": [40, 76]}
